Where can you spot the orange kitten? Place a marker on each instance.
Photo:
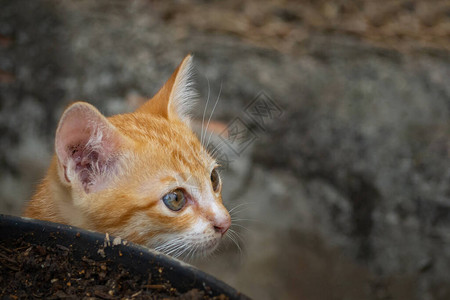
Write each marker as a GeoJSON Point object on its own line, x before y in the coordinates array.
{"type": "Point", "coordinates": [143, 176]}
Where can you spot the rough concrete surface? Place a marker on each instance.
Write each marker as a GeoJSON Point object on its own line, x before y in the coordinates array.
{"type": "Point", "coordinates": [340, 188]}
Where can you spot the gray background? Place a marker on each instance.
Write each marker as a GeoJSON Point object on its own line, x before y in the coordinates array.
{"type": "Point", "coordinates": [346, 195]}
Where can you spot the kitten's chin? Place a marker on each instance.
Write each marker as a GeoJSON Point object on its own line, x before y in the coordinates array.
{"type": "Point", "coordinates": [200, 250]}
{"type": "Point", "coordinates": [208, 248]}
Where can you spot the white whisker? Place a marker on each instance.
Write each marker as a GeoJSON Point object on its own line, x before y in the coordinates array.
{"type": "Point", "coordinates": [171, 246]}
{"type": "Point", "coordinates": [173, 249]}
{"type": "Point", "coordinates": [179, 251]}
{"type": "Point", "coordinates": [253, 220]}
{"type": "Point", "coordinates": [204, 111]}
{"type": "Point", "coordinates": [167, 244]}
{"type": "Point", "coordinates": [241, 226]}
{"type": "Point", "coordinates": [231, 235]}
{"type": "Point", "coordinates": [193, 252]}
{"type": "Point", "coordinates": [239, 205]}
{"type": "Point", "coordinates": [238, 235]}
{"type": "Point", "coordinates": [188, 252]}
{"type": "Point", "coordinates": [216, 151]}
{"type": "Point", "coordinates": [237, 212]}
{"type": "Point", "coordinates": [212, 112]}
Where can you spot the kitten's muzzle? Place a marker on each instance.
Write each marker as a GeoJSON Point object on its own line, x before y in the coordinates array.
{"type": "Point", "coordinates": [222, 226]}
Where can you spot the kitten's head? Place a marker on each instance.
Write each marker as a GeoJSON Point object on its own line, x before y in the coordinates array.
{"type": "Point", "coordinates": [144, 176]}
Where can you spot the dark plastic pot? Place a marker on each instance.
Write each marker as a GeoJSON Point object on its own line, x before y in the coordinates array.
{"type": "Point", "coordinates": [136, 258]}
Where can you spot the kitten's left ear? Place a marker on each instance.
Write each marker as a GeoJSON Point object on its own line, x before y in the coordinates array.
{"type": "Point", "coordinates": [87, 147]}
{"type": "Point", "coordinates": [176, 97]}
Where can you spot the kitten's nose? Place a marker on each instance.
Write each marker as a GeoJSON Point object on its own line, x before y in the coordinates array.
{"type": "Point", "coordinates": [222, 225]}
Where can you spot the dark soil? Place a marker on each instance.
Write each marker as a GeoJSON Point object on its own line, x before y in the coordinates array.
{"type": "Point", "coordinates": [52, 272]}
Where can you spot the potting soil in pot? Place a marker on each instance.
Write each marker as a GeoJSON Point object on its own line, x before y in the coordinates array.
{"type": "Point", "coordinates": [51, 272]}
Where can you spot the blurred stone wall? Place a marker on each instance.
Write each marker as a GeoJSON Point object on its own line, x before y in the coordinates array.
{"type": "Point", "coordinates": [344, 193]}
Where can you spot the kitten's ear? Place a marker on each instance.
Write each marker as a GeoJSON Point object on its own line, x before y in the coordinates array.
{"type": "Point", "coordinates": [176, 97]}
{"type": "Point", "coordinates": [87, 147]}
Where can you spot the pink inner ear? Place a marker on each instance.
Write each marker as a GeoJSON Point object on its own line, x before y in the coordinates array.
{"type": "Point", "coordinates": [87, 163]}
{"type": "Point", "coordinates": [85, 145]}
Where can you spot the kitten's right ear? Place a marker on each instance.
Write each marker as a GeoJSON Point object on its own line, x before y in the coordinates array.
{"type": "Point", "coordinates": [177, 95]}
{"type": "Point", "coordinates": [87, 146]}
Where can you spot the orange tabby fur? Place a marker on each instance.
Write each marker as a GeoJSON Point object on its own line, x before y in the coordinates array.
{"type": "Point", "coordinates": [110, 174]}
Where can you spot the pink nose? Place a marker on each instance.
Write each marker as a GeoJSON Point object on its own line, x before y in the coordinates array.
{"type": "Point", "coordinates": [222, 226]}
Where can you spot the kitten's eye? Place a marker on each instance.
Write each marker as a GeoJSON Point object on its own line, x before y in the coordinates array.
{"type": "Point", "coordinates": [174, 200]}
{"type": "Point", "coordinates": [215, 180]}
